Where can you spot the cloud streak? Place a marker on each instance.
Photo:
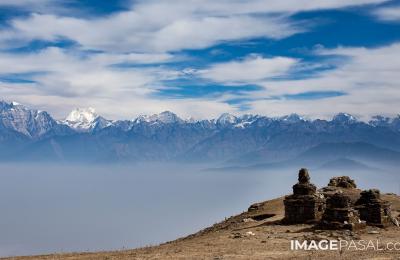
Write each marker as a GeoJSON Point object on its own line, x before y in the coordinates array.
{"type": "Point", "coordinates": [391, 14]}
{"type": "Point", "coordinates": [138, 32]}
{"type": "Point", "coordinates": [369, 79]}
{"type": "Point", "coordinates": [170, 26]}
{"type": "Point", "coordinates": [118, 62]}
{"type": "Point", "coordinates": [251, 69]}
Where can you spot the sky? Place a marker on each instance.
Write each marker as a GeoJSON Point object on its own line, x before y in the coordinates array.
{"type": "Point", "coordinates": [202, 58]}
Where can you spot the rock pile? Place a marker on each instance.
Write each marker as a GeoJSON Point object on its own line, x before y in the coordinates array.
{"type": "Point", "coordinates": [305, 205]}
{"type": "Point", "coordinates": [342, 182]}
{"type": "Point", "coordinates": [373, 209]}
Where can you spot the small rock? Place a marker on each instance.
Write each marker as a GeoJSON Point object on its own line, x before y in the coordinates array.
{"type": "Point", "coordinates": [373, 232]}
{"type": "Point", "coordinates": [247, 220]}
{"type": "Point", "coordinates": [394, 221]}
{"type": "Point", "coordinates": [249, 233]}
{"type": "Point", "coordinates": [255, 206]}
{"type": "Point", "coordinates": [236, 235]}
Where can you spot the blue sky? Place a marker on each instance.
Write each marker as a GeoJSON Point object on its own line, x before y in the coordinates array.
{"type": "Point", "coordinates": [202, 58]}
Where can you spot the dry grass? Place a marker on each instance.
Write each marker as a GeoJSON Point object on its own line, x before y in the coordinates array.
{"type": "Point", "coordinates": [231, 239]}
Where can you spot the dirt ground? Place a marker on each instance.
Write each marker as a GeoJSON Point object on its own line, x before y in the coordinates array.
{"type": "Point", "coordinates": [255, 234]}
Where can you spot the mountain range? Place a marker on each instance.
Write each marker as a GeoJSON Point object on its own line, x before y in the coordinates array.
{"type": "Point", "coordinates": [84, 136]}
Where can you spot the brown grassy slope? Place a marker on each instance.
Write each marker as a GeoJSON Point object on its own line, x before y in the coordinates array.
{"type": "Point", "coordinates": [239, 237]}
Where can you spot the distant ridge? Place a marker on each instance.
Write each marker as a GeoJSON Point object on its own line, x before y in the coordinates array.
{"type": "Point", "coordinates": [345, 164]}
{"type": "Point", "coordinates": [332, 156]}
{"type": "Point", "coordinates": [85, 136]}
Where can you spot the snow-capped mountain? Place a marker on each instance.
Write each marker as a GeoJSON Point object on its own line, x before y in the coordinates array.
{"type": "Point", "coordinates": [245, 121]}
{"type": "Point", "coordinates": [343, 118]}
{"type": "Point", "coordinates": [29, 122]}
{"type": "Point", "coordinates": [383, 121]}
{"type": "Point", "coordinates": [227, 120]}
{"type": "Point", "coordinates": [165, 117]}
{"type": "Point", "coordinates": [85, 135]}
{"type": "Point", "coordinates": [85, 119]}
{"type": "Point", "coordinates": [292, 118]}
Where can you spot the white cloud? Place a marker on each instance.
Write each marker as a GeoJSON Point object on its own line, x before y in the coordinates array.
{"type": "Point", "coordinates": [24, 3]}
{"type": "Point", "coordinates": [136, 32]}
{"type": "Point", "coordinates": [41, 6]}
{"type": "Point", "coordinates": [121, 107]}
{"type": "Point", "coordinates": [60, 73]}
{"type": "Point", "coordinates": [230, 7]}
{"type": "Point", "coordinates": [388, 13]}
{"type": "Point", "coordinates": [219, 7]}
{"type": "Point", "coordinates": [171, 25]}
{"type": "Point", "coordinates": [151, 30]}
{"type": "Point", "coordinates": [249, 70]}
{"type": "Point", "coordinates": [370, 79]}
{"type": "Point", "coordinates": [70, 80]}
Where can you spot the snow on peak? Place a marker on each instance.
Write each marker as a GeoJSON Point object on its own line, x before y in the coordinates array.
{"type": "Point", "coordinates": [226, 119]}
{"type": "Point", "coordinates": [246, 120]}
{"type": "Point", "coordinates": [12, 105]}
{"type": "Point", "coordinates": [81, 118]}
{"type": "Point", "coordinates": [344, 118]}
{"type": "Point", "coordinates": [292, 118]}
{"type": "Point", "coordinates": [142, 118]}
{"type": "Point", "coordinates": [168, 117]}
{"type": "Point", "coordinates": [165, 117]}
{"type": "Point", "coordinates": [190, 120]}
{"type": "Point", "coordinates": [30, 122]}
{"type": "Point", "coordinates": [380, 121]}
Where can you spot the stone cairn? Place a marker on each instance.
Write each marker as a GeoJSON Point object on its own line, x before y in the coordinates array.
{"type": "Point", "coordinates": [342, 182]}
{"type": "Point", "coordinates": [339, 214]}
{"type": "Point", "coordinates": [338, 206]}
{"type": "Point", "coordinates": [373, 209]}
{"type": "Point", "coordinates": [305, 205]}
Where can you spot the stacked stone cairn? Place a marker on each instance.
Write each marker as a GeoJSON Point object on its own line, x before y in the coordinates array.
{"type": "Point", "coordinates": [373, 209]}
{"type": "Point", "coordinates": [338, 206]}
{"type": "Point", "coordinates": [339, 214]}
{"type": "Point", "coordinates": [305, 205]}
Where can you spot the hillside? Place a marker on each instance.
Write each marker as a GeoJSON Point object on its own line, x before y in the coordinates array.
{"type": "Point", "coordinates": [254, 234]}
